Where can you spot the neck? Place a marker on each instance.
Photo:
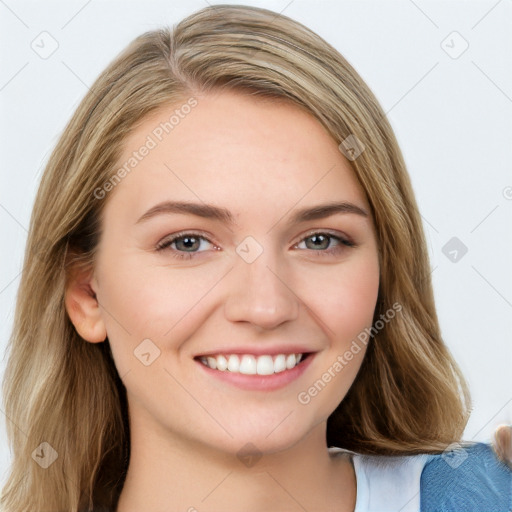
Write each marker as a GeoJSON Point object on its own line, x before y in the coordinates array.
{"type": "Point", "coordinates": [167, 474]}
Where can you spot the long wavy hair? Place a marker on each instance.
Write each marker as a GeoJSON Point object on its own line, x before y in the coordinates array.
{"type": "Point", "coordinates": [409, 396]}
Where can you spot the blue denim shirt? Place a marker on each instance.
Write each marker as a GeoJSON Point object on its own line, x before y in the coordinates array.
{"type": "Point", "coordinates": [467, 479]}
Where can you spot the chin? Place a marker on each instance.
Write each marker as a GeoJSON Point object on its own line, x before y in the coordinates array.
{"type": "Point", "coordinates": [261, 438]}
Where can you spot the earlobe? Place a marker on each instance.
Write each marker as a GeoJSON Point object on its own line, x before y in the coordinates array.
{"type": "Point", "coordinates": [83, 308]}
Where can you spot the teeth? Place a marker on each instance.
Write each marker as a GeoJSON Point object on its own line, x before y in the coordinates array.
{"type": "Point", "coordinates": [247, 365]}
{"type": "Point", "coordinates": [251, 365]}
{"type": "Point", "coordinates": [265, 365]}
{"type": "Point", "coordinates": [291, 361]}
{"type": "Point", "coordinates": [280, 363]}
{"type": "Point", "coordinates": [233, 363]}
{"type": "Point", "coordinates": [222, 363]}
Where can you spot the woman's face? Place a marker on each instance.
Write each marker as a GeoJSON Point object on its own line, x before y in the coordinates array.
{"type": "Point", "coordinates": [249, 264]}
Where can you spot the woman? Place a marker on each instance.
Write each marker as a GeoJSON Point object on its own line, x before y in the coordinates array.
{"type": "Point", "coordinates": [226, 300]}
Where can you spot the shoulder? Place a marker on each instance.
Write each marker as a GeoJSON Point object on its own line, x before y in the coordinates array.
{"type": "Point", "coordinates": [467, 478]}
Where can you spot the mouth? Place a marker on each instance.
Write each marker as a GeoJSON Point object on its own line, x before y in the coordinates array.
{"type": "Point", "coordinates": [250, 364]}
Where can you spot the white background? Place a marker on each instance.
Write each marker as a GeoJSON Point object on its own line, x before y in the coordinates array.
{"type": "Point", "coordinates": [452, 118]}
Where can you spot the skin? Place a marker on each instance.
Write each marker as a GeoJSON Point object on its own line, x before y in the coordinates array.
{"type": "Point", "coordinates": [262, 160]}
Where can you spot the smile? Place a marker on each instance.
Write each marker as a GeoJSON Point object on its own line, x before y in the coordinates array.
{"type": "Point", "coordinates": [248, 364]}
{"type": "Point", "coordinates": [251, 372]}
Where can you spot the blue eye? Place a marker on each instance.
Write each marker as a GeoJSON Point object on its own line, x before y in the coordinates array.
{"type": "Point", "coordinates": [187, 244]}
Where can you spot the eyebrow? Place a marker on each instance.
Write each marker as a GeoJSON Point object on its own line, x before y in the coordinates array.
{"type": "Point", "coordinates": [209, 211]}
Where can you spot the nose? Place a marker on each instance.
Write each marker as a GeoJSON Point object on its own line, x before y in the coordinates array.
{"type": "Point", "coordinates": [261, 295]}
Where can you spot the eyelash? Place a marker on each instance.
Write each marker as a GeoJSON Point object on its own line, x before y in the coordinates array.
{"type": "Point", "coordinates": [166, 243]}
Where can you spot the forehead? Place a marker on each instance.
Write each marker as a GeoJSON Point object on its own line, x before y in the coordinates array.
{"type": "Point", "coordinates": [233, 148]}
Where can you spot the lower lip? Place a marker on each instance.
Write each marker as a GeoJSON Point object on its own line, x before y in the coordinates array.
{"type": "Point", "coordinates": [260, 382]}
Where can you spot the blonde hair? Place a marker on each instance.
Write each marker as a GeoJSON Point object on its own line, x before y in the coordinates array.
{"type": "Point", "coordinates": [409, 395]}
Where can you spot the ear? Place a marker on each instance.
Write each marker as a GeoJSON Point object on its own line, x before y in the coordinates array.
{"type": "Point", "coordinates": [83, 307]}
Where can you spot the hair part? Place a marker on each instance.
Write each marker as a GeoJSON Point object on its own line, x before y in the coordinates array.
{"type": "Point", "coordinates": [409, 395]}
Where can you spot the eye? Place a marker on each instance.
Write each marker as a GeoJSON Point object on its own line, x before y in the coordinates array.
{"type": "Point", "coordinates": [186, 244]}
{"type": "Point", "coordinates": [320, 242]}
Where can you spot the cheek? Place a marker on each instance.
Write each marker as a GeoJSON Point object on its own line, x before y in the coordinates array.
{"type": "Point", "coordinates": [151, 302]}
{"type": "Point", "coordinates": [347, 306]}
{"type": "Point", "coordinates": [347, 302]}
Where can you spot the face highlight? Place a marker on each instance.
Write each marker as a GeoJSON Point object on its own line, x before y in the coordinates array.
{"type": "Point", "coordinates": [241, 248]}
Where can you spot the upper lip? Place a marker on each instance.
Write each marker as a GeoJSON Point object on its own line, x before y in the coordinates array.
{"type": "Point", "coordinates": [259, 350]}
